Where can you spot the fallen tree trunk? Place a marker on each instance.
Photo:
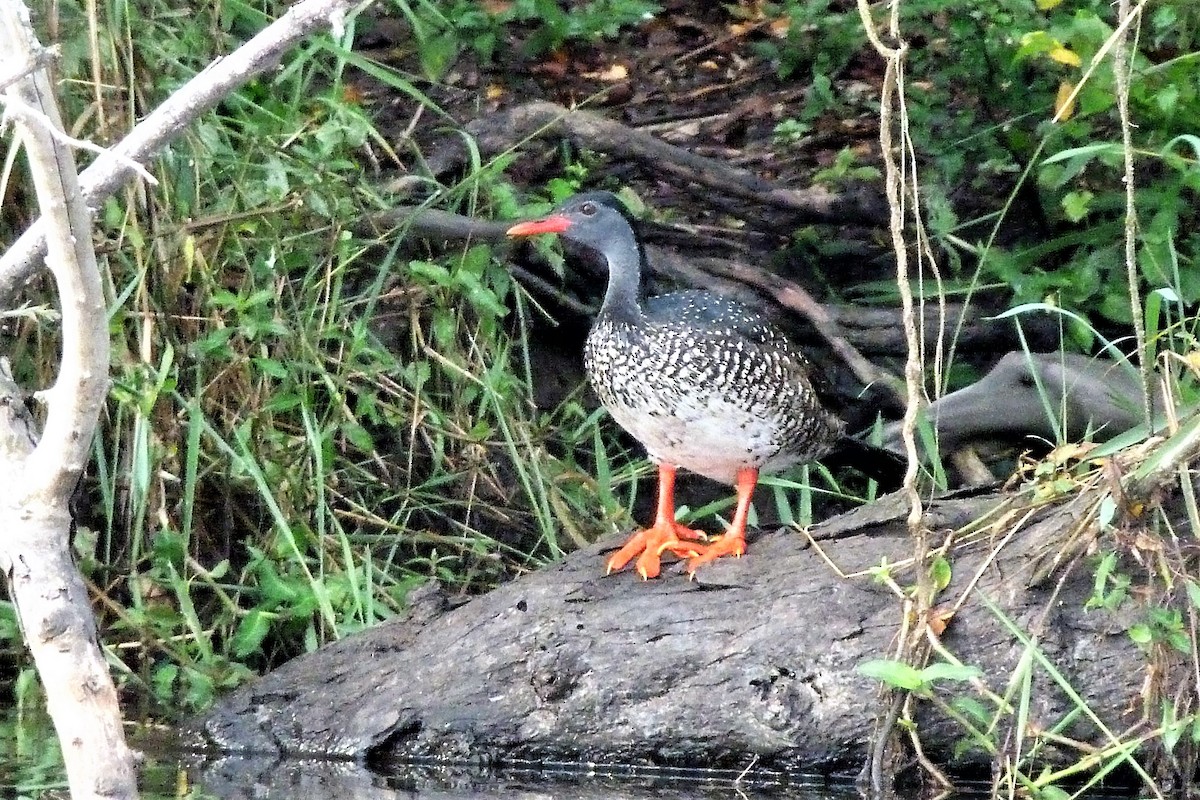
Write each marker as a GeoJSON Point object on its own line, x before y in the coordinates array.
{"type": "Point", "coordinates": [754, 662]}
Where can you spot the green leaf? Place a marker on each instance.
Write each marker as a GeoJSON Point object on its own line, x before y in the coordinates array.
{"type": "Point", "coordinates": [1052, 792]}
{"type": "Point", "coordinates": [941, 573]}
{"type": "Point", "coordinates": [971, 707]}
{"type": "Point", "coordinates": [1105, 516]}
{"type": "Point", "coordinates": [200, 689]}
{"type": "Point", "coordinates": [358, 436]}
{"type": "Point", "coordinates": [170, 547]}
{"type": "Point", "coordinates": [1086, 152]}
{"type": "Point", "coordinates": [437, 54]}
{"type": "Point", "coordinates": [1167, 98]}
{"type": "Point", "coordinates": [1076, 205]}
{"type": "Point", "coordinates": [251, 631]}
{"type": "Point", "coordinates": [271, 368]}
{"type": "Point", "coordinates": [1036, 43]}
{"type": "Point", "coordinates": [1173, 727]}
{"type": "Point", "coordinates": [1140, 634]}
{"type": "Point", "coordinates": [275, 591]}
{"type": "Point", "coordinates": [894, 673]}
{"type": "Point", "coordinates": [434, 273]}
{"type": "Point", "coordinates": [1193, 591]}
{"type": "Point", "coordinates": [945, 671]}
{"type": "Point", "coordinates": [163, 679]}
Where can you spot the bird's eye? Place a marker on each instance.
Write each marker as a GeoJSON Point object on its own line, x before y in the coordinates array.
{"type": "Point", "coordinates": [588, 208]}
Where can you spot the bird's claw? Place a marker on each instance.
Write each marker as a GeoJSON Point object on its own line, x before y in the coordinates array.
{"type": "Point", "coordinates": [648, 545]}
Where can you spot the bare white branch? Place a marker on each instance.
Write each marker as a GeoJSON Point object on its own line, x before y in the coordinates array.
{"type": "Point", "coordinates": [34, 62]}
{"type": "Point", "coordinates": [196, 97]}
{"type": "Point", "coordinates": [45, 584]}
{"type": "Point", "coordinates": [16, 107]}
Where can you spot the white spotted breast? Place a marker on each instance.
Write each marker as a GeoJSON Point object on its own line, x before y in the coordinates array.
{"type": "Point", "coordinates": [710, 386]}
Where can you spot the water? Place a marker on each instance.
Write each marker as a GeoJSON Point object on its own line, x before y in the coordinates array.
{"type": "Point", "coordinates": [31, 767]}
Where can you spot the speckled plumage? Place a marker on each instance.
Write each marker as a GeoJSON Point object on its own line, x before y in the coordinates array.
{"type": "Point", "coordinates": [708, 385]}
{"type": "Point", "coordinates": [702, 382]}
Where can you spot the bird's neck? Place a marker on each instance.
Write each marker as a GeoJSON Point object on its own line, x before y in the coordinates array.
{"type": "Point", "coordinates": [624, 261]}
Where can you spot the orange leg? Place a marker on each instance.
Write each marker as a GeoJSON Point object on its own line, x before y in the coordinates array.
{"type": "Point", "coordinates": [733, 543]}
{"type": "Point", "coordinates": [665, 534]}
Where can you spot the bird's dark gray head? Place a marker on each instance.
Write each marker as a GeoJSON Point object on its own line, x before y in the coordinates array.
{"type": "Point", "coordinates": [597, 221]}
{"type": "Point", "coordinates": [596, 229]}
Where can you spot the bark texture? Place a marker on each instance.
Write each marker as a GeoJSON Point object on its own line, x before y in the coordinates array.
{"type": "Point", "coordinates": [39, 476]}
{"type": "Point", "coordinates": [753, 662]}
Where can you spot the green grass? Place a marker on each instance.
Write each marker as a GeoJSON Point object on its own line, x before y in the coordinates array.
{"type": "Point", "coordinates": [306, 422]}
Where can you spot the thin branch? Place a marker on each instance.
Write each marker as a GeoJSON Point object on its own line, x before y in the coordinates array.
{"type": "Point", "coordinates": [1122, 67]}
{"type": "Point", "coordinates": [199, 95]}
{"type": "Point", "coordinates": [16, 107]}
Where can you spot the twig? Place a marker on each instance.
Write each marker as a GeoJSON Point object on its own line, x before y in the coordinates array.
{"type": "Point", "coordinates": [721, 41]}
{"type": "Point", "coordinates": [1122, 66]}
{"type": "Point", "coordinates": [199, 95]}
{"type": "Point", "coordinates": [15, 106]}
{"type": "Point", "coordinates": [930, 768]}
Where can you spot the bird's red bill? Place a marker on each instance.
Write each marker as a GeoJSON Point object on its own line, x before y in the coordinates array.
{"type": "Point", "coordinates": [556, 224]}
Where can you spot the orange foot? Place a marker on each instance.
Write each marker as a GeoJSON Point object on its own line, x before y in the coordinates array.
{"type": "Point", "coordinates": [649, 545]}
{"type": "Point", "coordinates": [733, 543]}
{"type": "Point", "coordinates": [665, 534]}
{"type": "Point", "coordinates": [727, 545]}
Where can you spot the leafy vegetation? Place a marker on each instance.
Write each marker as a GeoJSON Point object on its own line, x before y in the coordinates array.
{"type": "Point", "coordinates": [1061, 232]}
{"type": "Point", "coordinates": [305, 422]}
{"type": "Point", "coordinates": [308, 419]}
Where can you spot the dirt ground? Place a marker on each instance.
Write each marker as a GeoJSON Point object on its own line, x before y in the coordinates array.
{"type": "Point", "coordinates": [691, 76]}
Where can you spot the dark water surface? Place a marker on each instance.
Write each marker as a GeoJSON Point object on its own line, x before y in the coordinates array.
{"type": "Point", "coordinates": [317, 780]}
{"type": "Point", "coordinates": [31, 766]}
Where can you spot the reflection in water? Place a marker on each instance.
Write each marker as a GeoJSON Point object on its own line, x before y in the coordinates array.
{"type": "Point", "coordinates": [31, 765]}
{"type": "Point", "coordinates": [245, 778]}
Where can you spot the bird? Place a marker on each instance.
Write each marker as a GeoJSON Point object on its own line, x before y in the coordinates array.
{"type": "Point", "coordinates": [704, 383]}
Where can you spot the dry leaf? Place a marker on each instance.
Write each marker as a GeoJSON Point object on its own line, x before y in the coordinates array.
{"type": "Point", "coordinates": [1072, 451]}
{"type": "Point", "coordinates": [614, 74]}
{"type": "Point", "coordinates": [1064, 104]}
{"type": "Point", "coordinates": [555, 65]}
{"type": "Point", "coordinates": [1148, 543]}
{"type": "Point", "coordinates": [1066, 56]}
{"type": "Point", "coordinates": [1192, 360]}
{"type": "Point", "coordinates": [939, 620]}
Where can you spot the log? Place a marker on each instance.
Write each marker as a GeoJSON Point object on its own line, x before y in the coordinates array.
{"type": "Point", "coordinates": [1043, 395]}
{"type": "Point", "coordinates": [753, 663]}
{"type": "Point", "coordinates": [511, 128]}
